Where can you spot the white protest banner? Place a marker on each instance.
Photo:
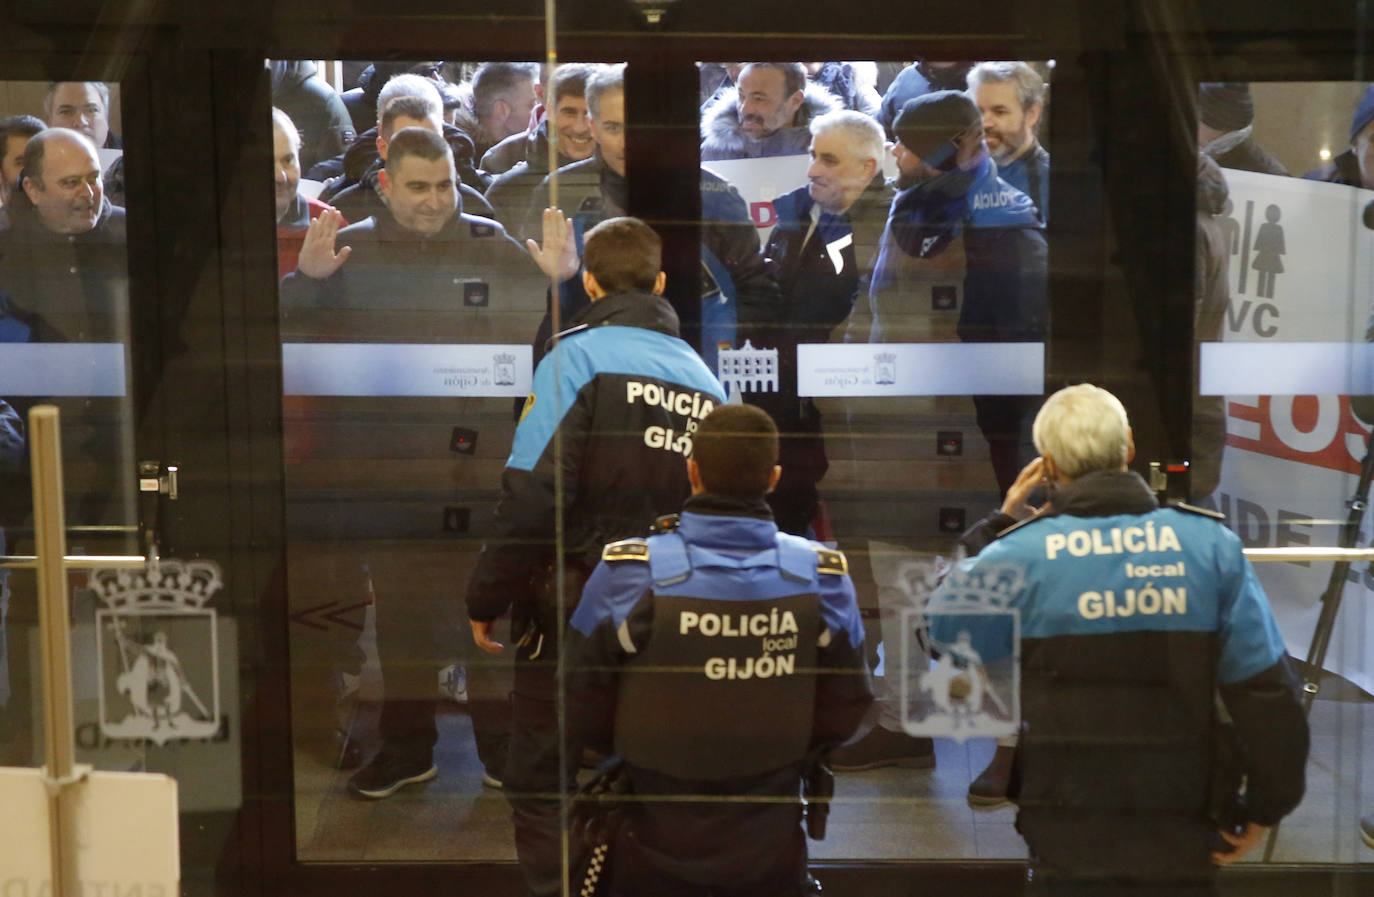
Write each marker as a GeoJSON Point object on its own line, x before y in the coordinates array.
{"type": "Point", "coordinates": [1300, 275]}
{"type": "Point", "coordinates": [760, 181]}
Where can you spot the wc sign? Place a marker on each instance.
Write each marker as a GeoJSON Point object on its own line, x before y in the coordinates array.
{"type": "Point", "coordinates": [1301, 295]}
{"type": "Point", "coordinates": [1296, 255]}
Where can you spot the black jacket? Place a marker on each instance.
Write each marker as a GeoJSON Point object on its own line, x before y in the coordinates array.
{"type": "Point", "coordinates": [364, 199]}
{"type": "Point", "coordinates": [78, 285]}
{"type": "Point", "coordinates": [325, 127]}
{"type": "Point", "coordinates": [469, 285]}
{"type": "Point", "coordinates": [813, 296]}
{"type": "Point", "coordinates": [625, 394]}
{"type": "Point", "coordinates": [1124, 766]}
{"type": "Point", "coordinates": [513, 184]}
{"type": "Point", "coordinates": [397, 269]}
{"type": "Point", "coordinates": [361, 157]}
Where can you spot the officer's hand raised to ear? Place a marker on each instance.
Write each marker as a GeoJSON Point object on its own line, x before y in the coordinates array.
{"type": "Point", "coordinates": [1014, 505]}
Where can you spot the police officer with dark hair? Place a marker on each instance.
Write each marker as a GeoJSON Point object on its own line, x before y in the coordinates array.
{"type": "Point", "coordinates": [613, 406]}
{"type": "Point", "coordinates": [717, 658]}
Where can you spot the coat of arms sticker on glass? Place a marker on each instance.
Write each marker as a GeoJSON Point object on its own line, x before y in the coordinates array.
{"type": "Point", "coordinates": [158, 651]}
{"type": "Point", "coordinates": [960, 661]}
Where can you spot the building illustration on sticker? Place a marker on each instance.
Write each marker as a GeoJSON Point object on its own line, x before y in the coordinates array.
{"type": "Point", "coordinates": [503, 369]}
{"type": "Point", "coordinates": [158, 652]}
{"type": "Point", "coordinates": [885, 369]}
{"type": "Point", "coordinates": [748, 369]}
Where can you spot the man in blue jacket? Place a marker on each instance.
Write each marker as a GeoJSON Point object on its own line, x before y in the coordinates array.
{"type": "Point", "coordinates": [1153, 677]}
{"type": "Point", "coordinates": [612, 412]}
{"type": "Point", "coordinates": [715, 658]}
{"type": "Point", "coordinates": [952, 202]}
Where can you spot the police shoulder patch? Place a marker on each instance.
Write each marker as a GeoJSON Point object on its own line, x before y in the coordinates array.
{"type": "Point", "coordinates": [830, 561]}
{"type": "Point", "coordinates": [626, 550]}
{"type": "Point", "coordinates": [1194, 509]}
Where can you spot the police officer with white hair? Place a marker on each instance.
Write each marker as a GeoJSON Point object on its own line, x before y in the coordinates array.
{"type": "Point", "coordinates": [1153, 677]}
{"type": "Point", "coordinates": [717, 658]}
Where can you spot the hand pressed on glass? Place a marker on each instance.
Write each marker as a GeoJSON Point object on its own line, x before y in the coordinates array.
{"type": "Point", "coordinates": [318, 258]}
{"type": "Point", "coordinates": [558, 256]}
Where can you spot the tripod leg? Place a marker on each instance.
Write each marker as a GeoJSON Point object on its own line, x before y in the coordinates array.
{"type": "Point", "coordinates": [1331, 605]}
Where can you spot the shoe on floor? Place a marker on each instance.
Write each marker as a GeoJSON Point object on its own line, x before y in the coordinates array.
{"type": "Point", "coordinates": [989, 790]}
{"type": "Point", "coordinates": [387, 774]}
{"type": "Point", "coordinates": [881, 747]}
{"type": "Point", "coordinates": [1367, 830]}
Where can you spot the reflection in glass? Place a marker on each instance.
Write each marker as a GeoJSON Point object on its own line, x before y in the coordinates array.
{"type": "Point", "coordinates": [940, 240]}
{"type": "Point", "coordinates": [408, 315]}
{"type": "Point", "coordinates": [64, 337]}
{"type": "Point", "coordinates": [1281, 292]}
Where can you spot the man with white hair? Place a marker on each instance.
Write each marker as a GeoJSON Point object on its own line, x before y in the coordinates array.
{"type": "Point", "coordinates": [1138, 625]}
{"type": "Point", "coordinates": [295, 210]}
{"type": "Point", "coordinates": [820, 253]}
{"type": "Point", "coordinates": [1011, 97]}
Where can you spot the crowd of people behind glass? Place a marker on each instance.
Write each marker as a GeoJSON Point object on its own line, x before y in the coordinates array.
{"type": "Point", "coordinates": [951, 247]}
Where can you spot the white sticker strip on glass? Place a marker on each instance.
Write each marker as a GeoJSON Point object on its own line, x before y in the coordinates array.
{"type": "Point", "coordinates": [1285, 369]}
{"type": "Point", "coordinates": [921, 369]}
{"type": "Point", "coordinates": [403, 369]}
{"type": "Point", "coordinates": [62, 369]}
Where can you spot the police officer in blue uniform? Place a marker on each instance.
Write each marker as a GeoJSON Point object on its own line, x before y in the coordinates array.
{"type": "Point", "coordinates": [716, 658]}
{"type": "Point", "coordinates": [613, 407]}
{"type": "Point", "coordinates": [1153, 676]}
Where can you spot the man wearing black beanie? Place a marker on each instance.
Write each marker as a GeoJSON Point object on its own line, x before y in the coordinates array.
{"type": "Point", "coordinates": [954, 227]}
{"type": "Point", "coordinates": [1225, 118]}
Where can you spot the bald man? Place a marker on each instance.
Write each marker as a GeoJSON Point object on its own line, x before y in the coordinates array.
{"type": "Point", "coordinates": [63, 257]}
